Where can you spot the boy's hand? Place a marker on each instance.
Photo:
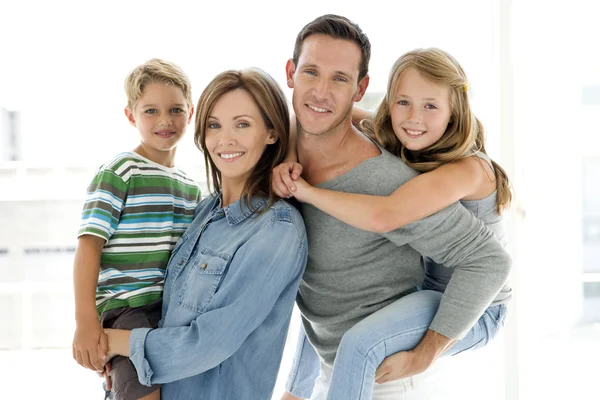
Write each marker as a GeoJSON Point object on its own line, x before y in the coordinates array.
{"type": "Point", "coordinates": [105, 373]}
{"type": "Point", "coordinates": [90, 345]}
{"type": "Point", "coordinates": [284, 176]}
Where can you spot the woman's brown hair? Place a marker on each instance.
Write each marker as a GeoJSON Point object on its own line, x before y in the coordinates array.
{"type": "Point", "coordinates": [271, 102]}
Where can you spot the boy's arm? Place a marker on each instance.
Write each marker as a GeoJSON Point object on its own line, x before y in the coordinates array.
{"type": "Point", "coordinates": [89, 341]}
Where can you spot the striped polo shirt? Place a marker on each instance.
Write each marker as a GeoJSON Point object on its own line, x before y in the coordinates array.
{"type": "Point", "coordinates": [141, 209]}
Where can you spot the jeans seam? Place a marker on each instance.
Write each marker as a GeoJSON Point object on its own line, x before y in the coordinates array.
{"type": "Point", "coordinates": [383, 341]}
{"type": "Point", "coordinates": [294, 373]}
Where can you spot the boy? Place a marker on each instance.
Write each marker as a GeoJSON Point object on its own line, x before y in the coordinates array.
{"type": "Point", "coordinates": [138, 206]}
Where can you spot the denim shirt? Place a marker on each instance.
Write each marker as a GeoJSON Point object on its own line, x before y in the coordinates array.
{"type": "Point", "coordinates": [229, 292]}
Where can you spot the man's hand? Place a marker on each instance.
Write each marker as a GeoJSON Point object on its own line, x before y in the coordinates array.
{"type": "Point", "coordinates": [90, 344]}
{"type": "Point", "coordinates": [409, 363]}
{"type": "Point", "coordinates": [400, 365]}
{"type": "Point", "coordinates": [283, 178]}
{"type": "Point", "coordinates": [289, 396]}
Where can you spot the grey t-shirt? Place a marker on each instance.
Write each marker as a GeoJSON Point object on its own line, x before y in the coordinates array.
{"type": "Point", "coordinates": [437, 276]}
{"type": "Point", "coordinates": [352, 273]}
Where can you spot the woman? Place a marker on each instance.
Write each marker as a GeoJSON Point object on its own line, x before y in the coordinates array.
{"type": "Point", "coordinates": [233, 276]}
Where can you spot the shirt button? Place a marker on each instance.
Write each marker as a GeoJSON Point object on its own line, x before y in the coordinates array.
{"type": "Point", "coordinates": [181, 262]}
{"type": "Point", "coordinates": [203, 266]}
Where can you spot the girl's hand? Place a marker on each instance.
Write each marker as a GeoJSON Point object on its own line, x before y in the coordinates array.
{"type": "Point", "coordinates": [283, 178]}
{"type": "Point", "coordinates": [301, 190]}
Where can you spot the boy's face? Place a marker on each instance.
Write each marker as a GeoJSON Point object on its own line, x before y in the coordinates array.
{"type": "Point", "coordinates": [325, 83]}
{"type": "Point", "coordinates": [161, 116]}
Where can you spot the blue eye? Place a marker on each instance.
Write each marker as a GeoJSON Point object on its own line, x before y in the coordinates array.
{"type": "Point", "coordinates": [151, 111]}
{"type": "Point", "coordinates": [430, 107]}
{"type": "Point", "coordinates": [213, 125]}
{"type": "Point", "coordinates": [177, 110]}
{"type": "Point", "coordinates": [403, 102]}
{"type": "Point", "coordinates": [343, 80]}
{"type": "Point", "coordinates": [243, 125]}
{"type": "Point", "coordinates": [310, 72]}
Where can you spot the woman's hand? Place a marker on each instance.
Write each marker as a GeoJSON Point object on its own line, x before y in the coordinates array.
{"type": "Point", "coordinates": [118, 343]}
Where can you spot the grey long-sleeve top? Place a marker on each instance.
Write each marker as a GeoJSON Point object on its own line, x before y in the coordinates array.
{"type": "Point", "coordinates": [352, 273]}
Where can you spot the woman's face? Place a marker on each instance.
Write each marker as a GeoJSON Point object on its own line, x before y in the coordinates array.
{"type": "Point", "coordinates": [236, 136]}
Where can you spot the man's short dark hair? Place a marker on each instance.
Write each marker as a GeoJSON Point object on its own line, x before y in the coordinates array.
{"type": "Point", "coordinates": [337, 27]}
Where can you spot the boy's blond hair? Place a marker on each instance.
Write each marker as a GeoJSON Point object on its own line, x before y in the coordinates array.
{"type": "Point", "coordinates": [156, 71]}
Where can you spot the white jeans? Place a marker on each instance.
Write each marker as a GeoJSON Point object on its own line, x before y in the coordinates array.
{"type": "Point", "coordinates": [424, 386]}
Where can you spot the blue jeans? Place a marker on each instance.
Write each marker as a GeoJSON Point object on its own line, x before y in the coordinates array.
{"type": "Point", "coordinates": [398, 327]}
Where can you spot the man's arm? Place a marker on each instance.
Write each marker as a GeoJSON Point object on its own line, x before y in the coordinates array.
{"type": "Point", "coordinates": [455, 238]}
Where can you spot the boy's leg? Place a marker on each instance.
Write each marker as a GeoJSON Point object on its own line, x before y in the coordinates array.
{"type": "Point", "coordinates": [398, 327]}
{"type": "Point", "coordinates": [125, 382]}
{"type": "Point", "coordinates": [152, 396]}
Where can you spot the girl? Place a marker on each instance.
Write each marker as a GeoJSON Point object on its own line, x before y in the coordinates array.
{"type": "Point", "coordinates": [425, 118]}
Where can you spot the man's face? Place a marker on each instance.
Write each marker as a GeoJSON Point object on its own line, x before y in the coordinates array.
{"type": "Point", "coordinates": [325, 83]}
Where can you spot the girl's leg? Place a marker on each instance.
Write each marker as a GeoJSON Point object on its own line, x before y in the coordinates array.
{"type": "Point", "coordinates": [398, 327]}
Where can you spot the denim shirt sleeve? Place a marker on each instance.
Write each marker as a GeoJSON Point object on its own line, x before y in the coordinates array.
{"type": "Point", "coordinates": [269, 263]}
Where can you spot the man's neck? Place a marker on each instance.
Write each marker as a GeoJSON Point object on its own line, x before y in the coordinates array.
{"type": "Point", "coordinates": [334, 153]}
{"type": "Point", "coordinates": [323, 148]}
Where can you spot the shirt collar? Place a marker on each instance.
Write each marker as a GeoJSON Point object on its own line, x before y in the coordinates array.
{"type": "Point", "coordinates": [236, 214]}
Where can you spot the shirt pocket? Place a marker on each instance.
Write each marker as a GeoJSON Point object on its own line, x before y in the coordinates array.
{"type": "Point", "coordinates": [203, 279]}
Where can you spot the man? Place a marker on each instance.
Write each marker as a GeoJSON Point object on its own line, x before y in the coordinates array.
{"type": "Point", "coordinates": [353, 273]}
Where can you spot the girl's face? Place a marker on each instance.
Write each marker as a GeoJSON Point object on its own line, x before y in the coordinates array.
{"type": "Point", "coordinates": [421, 110]}
{"type": "Point", "coordinates": [236, 136]}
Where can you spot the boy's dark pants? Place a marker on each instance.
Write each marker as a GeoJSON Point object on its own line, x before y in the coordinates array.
{"type": "Point", "coordinates": [125, 383]}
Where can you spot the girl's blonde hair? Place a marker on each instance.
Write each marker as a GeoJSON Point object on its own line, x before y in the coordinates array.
{"type": "Point", "coordinates": [271, 102]}
{"type": "Point", "coordinates": [464, 135]}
